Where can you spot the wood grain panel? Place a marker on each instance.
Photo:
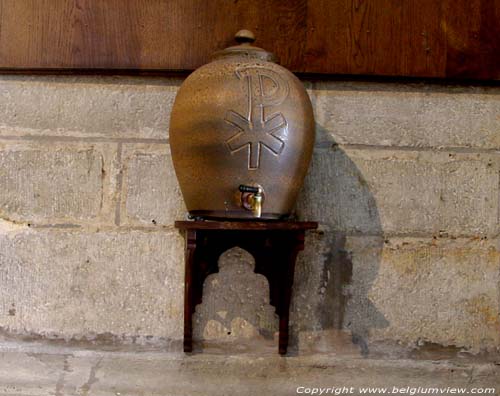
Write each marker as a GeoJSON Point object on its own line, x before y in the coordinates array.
{"type": "Point", "coordinates": [384, 37]}
{"type": "Point", "coordinates": [422, 38]}
{"type": "Point", "coordinates": [472, 36]}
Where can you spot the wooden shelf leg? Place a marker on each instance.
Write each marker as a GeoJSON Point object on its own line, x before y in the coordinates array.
{"type": "Point", "coordinates": [189, 290]}
{"type": "Point", "coordinates": [286, 291]}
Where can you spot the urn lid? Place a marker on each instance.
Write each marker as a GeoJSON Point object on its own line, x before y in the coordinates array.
{"type": "Point", "coordinates": [245, 49]}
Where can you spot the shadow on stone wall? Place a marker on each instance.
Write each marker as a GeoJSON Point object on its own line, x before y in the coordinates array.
{"type": "Point", "coordinates": [341, 260]}
{"type": "Point", "coordinates": [333, 275]}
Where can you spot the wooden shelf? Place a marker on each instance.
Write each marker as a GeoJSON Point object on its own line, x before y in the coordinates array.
{"type": "Point", "coordinates": [274, 246]}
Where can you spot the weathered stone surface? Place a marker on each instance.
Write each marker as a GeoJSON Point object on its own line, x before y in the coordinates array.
{"type": "Point", "coordinates": [152, 193]}
{"type": "Point", "coordinates": [73, 284]}
{"type": "Point", "coordinates": [235, 302]}
{"type": "Point", "coordinates": [406, 289]}
{"type": "Point", "coordinates": [48, 370]}
{"type": "Point", "coordinates": [312, 276]}
{"type": "Point", "coordinates": [383, 284]}
{"type": "Point", "coordinates": [325, 288]}
{"type": "Point", "coordinates": [407, 115]}
{"type": "Point", "coordinates": [112, 107]}
{"type": "Point", "coordinates": [374, 191]}
{"type": "Point", "coordinates": [440, 291]}
{"type": "Point", "coordinates": [61, 185]}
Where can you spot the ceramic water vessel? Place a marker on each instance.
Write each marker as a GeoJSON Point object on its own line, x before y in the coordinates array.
{"type": "Point", "coordinates": [241, 135]}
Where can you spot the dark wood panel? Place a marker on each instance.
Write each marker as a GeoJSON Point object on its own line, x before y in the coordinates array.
{"type": "Point", "coordinates": [422, 38]}
{"type": "Point", "coordinates": [385, 37]}
{"type": "Point", "coordinates": [472, 34]}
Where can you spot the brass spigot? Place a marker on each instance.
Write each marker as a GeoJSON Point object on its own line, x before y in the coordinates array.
{"type": "Point", "coordinates": [251, 199]}
{"type": "Point", "coordinates": [257, 203]}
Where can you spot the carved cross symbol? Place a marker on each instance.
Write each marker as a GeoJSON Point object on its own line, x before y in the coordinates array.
{"type": "Point", "coordinates": [255, 131]}
{"type": "Point", "coordinates": [253, 135]}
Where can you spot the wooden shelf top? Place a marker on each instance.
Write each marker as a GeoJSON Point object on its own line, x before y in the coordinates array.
{"type": "Point", "coordinates": [248, 225]}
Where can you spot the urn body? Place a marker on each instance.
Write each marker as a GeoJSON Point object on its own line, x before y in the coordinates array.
{"type": "Point", "coordinates": [241, 136]}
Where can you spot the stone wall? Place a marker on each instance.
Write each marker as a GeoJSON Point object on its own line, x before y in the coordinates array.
{"type": "Point", "coordinates": [404, 182]}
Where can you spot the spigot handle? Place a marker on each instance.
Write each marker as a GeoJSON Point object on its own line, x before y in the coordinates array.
{"type": "Point", "coordinates": [250, 189]}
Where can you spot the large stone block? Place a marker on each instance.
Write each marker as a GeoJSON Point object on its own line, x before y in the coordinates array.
{"type": "Point", "coordinates": [322, 294]}
{"type": "Point", "coordinates": [152, 194]}
{"type": "Point", "coordinates": [414, 291]}
{"type": "Point", "coordinates": [403, 290]}
{"type": "Point", "coordinates": [385, 191]}
{"type": "Point", "coordinates": [73, 284]}
{"type": "Point", "coordinates": [111, 107]}
{"type": "Point", "coordinates": [50, 186]}
{"type": "Point", "coordinates": [407, 115]}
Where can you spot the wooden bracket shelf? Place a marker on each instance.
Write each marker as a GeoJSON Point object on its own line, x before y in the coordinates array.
{"type": "Point", "coordinates": [274, 246]}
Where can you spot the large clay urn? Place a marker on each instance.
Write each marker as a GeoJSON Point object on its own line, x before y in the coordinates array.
{"type": "Point", "coordinates": [241, 135]}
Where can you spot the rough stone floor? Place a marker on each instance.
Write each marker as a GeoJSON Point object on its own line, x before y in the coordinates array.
{"type": "Point", "coordinates": [44, 368]}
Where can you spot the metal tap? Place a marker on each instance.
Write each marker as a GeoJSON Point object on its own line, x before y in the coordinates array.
{"type": "Point", "coordinates": [251, 198]}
